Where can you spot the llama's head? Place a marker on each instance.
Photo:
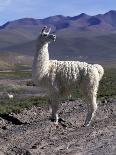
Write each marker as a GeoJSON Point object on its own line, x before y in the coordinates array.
{"type": "Point", "coordinates": [45, 36]}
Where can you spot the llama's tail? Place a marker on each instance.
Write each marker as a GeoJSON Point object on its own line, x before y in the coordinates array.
{"type": "Point", "coordinates": [100, 70]}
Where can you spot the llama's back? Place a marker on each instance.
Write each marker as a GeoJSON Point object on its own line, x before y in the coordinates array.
{"type": "Point", "coordinates": [70, 70]}
{"type": "Point", "coordinates": [74, 70]}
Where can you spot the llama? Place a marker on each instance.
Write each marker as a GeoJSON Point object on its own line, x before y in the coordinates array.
{"type": "Point", "coordinates": [59, 77]}
{"type": "Point", "coordinates": [10, 96]}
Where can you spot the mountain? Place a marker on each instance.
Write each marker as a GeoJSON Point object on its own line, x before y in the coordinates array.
{"type": "Point", "coordinates": [82, 37]}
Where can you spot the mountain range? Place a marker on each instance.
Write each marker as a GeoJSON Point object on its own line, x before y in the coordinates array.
{"type": "Point", "coordinates": [82, 37]}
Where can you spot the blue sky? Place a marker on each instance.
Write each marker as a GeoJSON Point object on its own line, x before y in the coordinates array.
{"type": "Point", "coordinates": [16, 9]}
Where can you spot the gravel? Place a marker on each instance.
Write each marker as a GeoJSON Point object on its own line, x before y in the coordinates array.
{"type": "Point", "coordinates": [39, 136]}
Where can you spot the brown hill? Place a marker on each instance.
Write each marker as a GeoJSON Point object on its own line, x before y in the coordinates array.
{"type": "Point", "coordinates": [83, 37]}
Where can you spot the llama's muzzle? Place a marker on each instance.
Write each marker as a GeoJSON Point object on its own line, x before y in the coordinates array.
{"type": "Point", "coordinates": [54, 37]}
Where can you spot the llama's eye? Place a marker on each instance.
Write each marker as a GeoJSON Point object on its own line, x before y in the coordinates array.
{"type": "Point", "coordinates": [45, 35]}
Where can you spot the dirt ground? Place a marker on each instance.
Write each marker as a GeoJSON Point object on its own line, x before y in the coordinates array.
{"type": "Point", "coordinates": [39, 136]}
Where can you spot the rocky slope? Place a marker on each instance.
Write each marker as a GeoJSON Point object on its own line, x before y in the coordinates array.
{"type": "Point", "coordinates": [38, 136]}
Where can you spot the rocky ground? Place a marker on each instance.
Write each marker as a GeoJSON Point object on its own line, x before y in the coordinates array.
{"type": "Point", "coordinates": [36, 135]}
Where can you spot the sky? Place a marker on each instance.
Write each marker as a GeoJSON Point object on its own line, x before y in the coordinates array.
{"type": "Point", "coordinates": [39, 9]}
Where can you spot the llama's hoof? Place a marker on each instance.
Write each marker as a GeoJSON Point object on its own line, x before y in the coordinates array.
{"type": "Point", "coordinates": [61, 120]}
{"type": "Point", "coordinates": [52, 119]}
{"type": "Point", "coordinates": [63, 125]}
{"type": "Point", "coordinates": [85, 125]}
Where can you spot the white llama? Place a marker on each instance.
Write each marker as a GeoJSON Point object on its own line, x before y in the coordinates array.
{"type": "Point", "coordinates": [10, 96]}
{"type": "Point", "coordinates": [59, 77]}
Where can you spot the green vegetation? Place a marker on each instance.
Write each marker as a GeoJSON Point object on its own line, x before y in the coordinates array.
{"type": "Point", "coordinates": [15, 74]}
{"type": "Point", "coordinates": [22, 67]}
{"type": "Point", "coordinates": [16, 105]}
{"type": "Point", "coordinates": [15, 89]}
{"type": "Point", "coordinates": [4, 64]}
{"type": "Point", "coordinates": [108, 84]}
{"type": "Point", "coordinates": [107, 90]}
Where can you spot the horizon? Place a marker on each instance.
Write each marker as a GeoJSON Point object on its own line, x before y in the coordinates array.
{"type": "Point", "coordinates": [11, 10]}
{"type": "Point", "coordinates": [55, 15]}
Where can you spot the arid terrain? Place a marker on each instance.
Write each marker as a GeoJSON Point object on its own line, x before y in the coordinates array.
{"type": "Point", "coordinates": [30, 132]}
{"type": "Point", "coordinates": [25, 126]}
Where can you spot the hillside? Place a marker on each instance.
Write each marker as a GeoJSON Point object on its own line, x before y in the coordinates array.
{"type": "Point", "coordinates": [82, 37]}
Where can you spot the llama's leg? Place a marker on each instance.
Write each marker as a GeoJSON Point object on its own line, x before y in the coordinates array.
{"type": "Point", "coordinates": [89, 89]}
{"type": "Point", "coordinates": [92, 107]}
{"type": "Point", "coordinates": [54, 115]}
{"type": "Point", "coordinates": [54, 103]}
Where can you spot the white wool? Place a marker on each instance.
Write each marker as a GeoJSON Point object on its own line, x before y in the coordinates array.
{"type": "Point", "coordinates": [65, 74]}
{"type": "Point", "coordinates": [100, 70]}
{"type": "Point", "coordinates": [68, 74]}
{"type": "Point", "coordinates": [59, 77]}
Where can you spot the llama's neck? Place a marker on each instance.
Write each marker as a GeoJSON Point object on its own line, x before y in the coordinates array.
{"type": "Point", "coordinates": [41, 62]}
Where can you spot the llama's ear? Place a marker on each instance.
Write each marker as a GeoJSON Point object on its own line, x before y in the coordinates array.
{"type": "Point", "coordinates": [44, 30]}
{"type": "Point", "coordinates": [49, 31]}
